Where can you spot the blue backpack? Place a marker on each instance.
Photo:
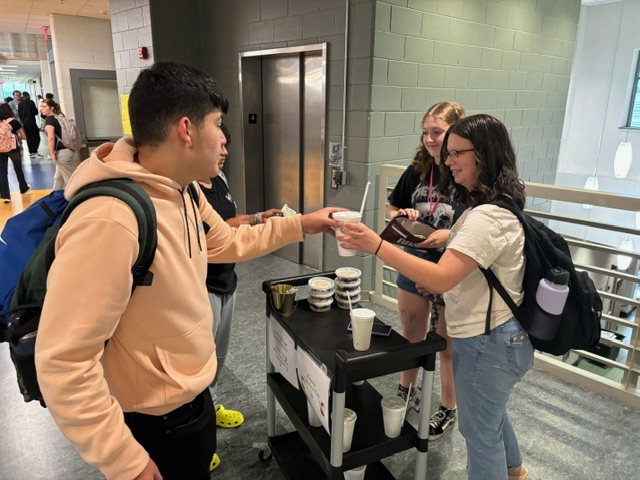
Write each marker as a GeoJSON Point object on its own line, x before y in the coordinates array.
{"type": "Point", "coordinates": [21, 236]}
{"type": "Point", "coordinates": [21, 329]}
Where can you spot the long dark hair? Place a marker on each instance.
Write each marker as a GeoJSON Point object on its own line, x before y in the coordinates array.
{"type": "Point", "coordinates": [495, 161]}
{"type": "Point", "coordinates": [5, 111]}
{"type": "Point", "coordinates": [449, 113]}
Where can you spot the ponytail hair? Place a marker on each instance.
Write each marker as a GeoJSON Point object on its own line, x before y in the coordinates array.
{"type": "Point", "coordinates": [53, 105]}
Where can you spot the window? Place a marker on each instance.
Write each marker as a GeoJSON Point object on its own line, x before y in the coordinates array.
{"type": "Point", "coordinates": [634, 108]}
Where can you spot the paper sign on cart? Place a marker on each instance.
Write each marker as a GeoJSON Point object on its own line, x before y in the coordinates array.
{"type": "Point", "coordinates": [282, 352]}
{"type": "Point", "coordinates": [316, 385]}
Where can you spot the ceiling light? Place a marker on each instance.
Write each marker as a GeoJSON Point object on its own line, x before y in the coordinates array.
{"type": "Point", "coordinates": [622, 160]}
{"type": "Point", "coordinates": [624, 261]}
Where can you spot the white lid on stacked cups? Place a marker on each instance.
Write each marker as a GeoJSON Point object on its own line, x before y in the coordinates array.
{"type": "Point", "coordinates": [348, 274]}
{"type": "Point", "coordinates": [347, 283]}
{"type": "Point", "coordinates": [320, 293]}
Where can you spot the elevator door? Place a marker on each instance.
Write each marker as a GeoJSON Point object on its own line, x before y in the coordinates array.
{"type": "Point", "coordinates": [283, 110]}
{"type": "Point", "coordinates": [281, 138]}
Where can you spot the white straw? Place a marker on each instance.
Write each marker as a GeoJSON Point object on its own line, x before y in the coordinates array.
{"type": "Point", "coordinates": [364, 199]}
{"type": "Point", "coordinates": [349, 300]}
{"type": "Point", "coordinates": [406, 405]}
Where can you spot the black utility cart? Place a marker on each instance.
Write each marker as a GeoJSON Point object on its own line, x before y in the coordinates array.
{"type": "Point", "coordinates": [310, 453]}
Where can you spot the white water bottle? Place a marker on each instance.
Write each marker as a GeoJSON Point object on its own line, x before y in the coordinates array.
{"type": "Point", "coordinates": [551, 297]}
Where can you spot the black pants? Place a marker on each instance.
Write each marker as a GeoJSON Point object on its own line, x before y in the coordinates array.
{"type": "Point", "coordinates": [32, 132]}
{"type": "Point", "coordinates": [16, 159]}
{"type": "Point", "coordinates": [182, 442]}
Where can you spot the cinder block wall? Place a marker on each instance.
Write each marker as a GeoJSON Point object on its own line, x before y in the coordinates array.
{"type": "Point", "coordinates": [249, 25]}
{"type": "Point", "coordinates": [82, 43]}
{"type": "Point", "coordinates": [130, 28]}
{"type": "Point", "coordinates": [509, 58]}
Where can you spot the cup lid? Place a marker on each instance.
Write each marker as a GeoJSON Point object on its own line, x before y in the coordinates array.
{"type": "Point", "coordinates": [348, 273]}
{"type": "Point", "coordinates": [321, 283]}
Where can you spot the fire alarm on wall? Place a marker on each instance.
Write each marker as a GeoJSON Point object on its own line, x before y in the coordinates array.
{"type": "Point", "coordinates": [143, 53]}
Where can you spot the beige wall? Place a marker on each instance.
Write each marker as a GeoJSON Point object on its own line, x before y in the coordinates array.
{"type": "Point", "coordinates": [81, 43]}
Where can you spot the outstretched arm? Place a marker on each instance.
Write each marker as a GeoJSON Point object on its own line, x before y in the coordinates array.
{"type": "Point", "coordinates": [435, 277]}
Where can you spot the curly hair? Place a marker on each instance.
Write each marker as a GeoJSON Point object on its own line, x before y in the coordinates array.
{"type": "Point", "coordinates": [495, 161]}
{"type": "Point", "coordinates": [449, 113]}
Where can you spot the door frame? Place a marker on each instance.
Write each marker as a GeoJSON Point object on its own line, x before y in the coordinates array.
{"type": "Point", "coordinates": [244, 60]}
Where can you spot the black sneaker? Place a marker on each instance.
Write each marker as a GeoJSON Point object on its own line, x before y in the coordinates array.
{"type": "Point", "coordinates": [25, 191]}
{"type": "Point", "coordinates": [415, 397]}
{"type": "Point", "coordinates": [441, 422]}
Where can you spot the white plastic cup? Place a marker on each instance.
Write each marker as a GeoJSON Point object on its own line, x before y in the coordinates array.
{"type": "Point", "coordinates": [346, 217]}
{"type": "Point", "coordinates": [392, 415]}
{"type": "Point", "coordinates": [350, 418]}
{"type": "Point", "coordinates": [362, 323]}
{"type": "Point", "coordinates": [314, 420]}
{"type": "Point", "coordinates": [355, 474]}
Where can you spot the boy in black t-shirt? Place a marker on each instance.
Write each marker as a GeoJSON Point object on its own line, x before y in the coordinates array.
{"type": "Point", "coordinates": [222, 282]}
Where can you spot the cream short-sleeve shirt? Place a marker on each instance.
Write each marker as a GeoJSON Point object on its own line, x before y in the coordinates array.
{"type": "Point", "coordinates": [493, 237]}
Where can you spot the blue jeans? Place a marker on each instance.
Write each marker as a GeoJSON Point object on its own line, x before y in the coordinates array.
{"type": "Point", "coordinates": [485, 370]}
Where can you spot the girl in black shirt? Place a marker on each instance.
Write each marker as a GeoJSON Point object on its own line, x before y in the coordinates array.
{"type": "Point", "coordinates": [416, 196]}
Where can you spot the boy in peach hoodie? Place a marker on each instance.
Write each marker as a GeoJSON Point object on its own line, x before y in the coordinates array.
{"type": "Point", "coordinates": [140, 408]}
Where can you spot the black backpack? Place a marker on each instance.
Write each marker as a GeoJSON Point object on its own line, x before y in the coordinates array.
{"type": "Point", "coordinates": [27, 301]}
{"type": "Point", "coordinates": [544, 249]}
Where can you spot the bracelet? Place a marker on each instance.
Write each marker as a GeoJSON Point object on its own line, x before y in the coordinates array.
{"type": "Point", "coordinates": [255, 218]}
{"type": "Point", "coordinates": [379, 245]}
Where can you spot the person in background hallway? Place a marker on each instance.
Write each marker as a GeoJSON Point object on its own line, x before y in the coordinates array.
{"type": "Point", "coordinates": [66, 160]}
{"type": "Point", "coordinates": [139, 407]}
{"type": "Point", "coordinates": [481, 166]}
{"type": "Point", "coordinates": [17, 98]}
{"type": "Point", "coordinates": [6, 115]}
{"type": "Point", "coordinates": [48, 96]}
{"type": "Point", "coordinates": [417, 196]}
{"type": "Point", "coordinates": [28, 113]}
{"type": "Point", "coordinates": [8, 99]}
{"type": "Point", "coordinates": [222, 280]}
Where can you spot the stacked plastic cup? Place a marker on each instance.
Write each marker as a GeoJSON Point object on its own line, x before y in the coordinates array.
{"type": "Point", "coordinates": [347, 286]}
{"type": "Point", "coordinates": [321, 291]}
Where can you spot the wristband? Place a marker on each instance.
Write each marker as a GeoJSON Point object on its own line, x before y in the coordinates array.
{"type": "Point", "coordinates": [255, 218]}
{"type": "Point", "coordinates": [379, 245]}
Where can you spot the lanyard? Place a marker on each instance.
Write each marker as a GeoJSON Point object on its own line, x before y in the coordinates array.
{"type": "Point", "coordinates": [432, 209]}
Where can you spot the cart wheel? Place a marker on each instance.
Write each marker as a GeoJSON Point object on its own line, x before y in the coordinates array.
{"type": "Point", "coordinates": [262, 457]}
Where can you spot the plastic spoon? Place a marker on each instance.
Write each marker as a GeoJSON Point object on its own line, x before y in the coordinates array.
{"type": "Point", "coordinates": [406, 404]}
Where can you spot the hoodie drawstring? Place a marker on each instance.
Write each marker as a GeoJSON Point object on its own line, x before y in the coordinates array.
{"type": "Point", "coordinates": [186, 221]}
{"type": "Point", "coordinates": [195, 219]}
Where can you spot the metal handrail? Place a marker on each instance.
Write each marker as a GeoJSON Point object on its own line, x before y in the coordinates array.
{"type": "Point", "coordinates": [627, 388]}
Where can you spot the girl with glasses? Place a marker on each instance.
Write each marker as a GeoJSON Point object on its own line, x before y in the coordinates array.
{"type": "Point", "coordinates": [480, 166]}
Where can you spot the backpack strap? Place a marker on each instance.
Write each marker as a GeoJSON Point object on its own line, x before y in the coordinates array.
{"type": "Point", "coordinates": [492, 280]}
{"type": "Point", "coordinates": [138, 200]}
{"type": "Point", "coordinates": [494, 283]}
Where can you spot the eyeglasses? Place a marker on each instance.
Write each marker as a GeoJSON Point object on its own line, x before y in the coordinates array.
{"type": "Point", "coordinates": [454, 154]}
